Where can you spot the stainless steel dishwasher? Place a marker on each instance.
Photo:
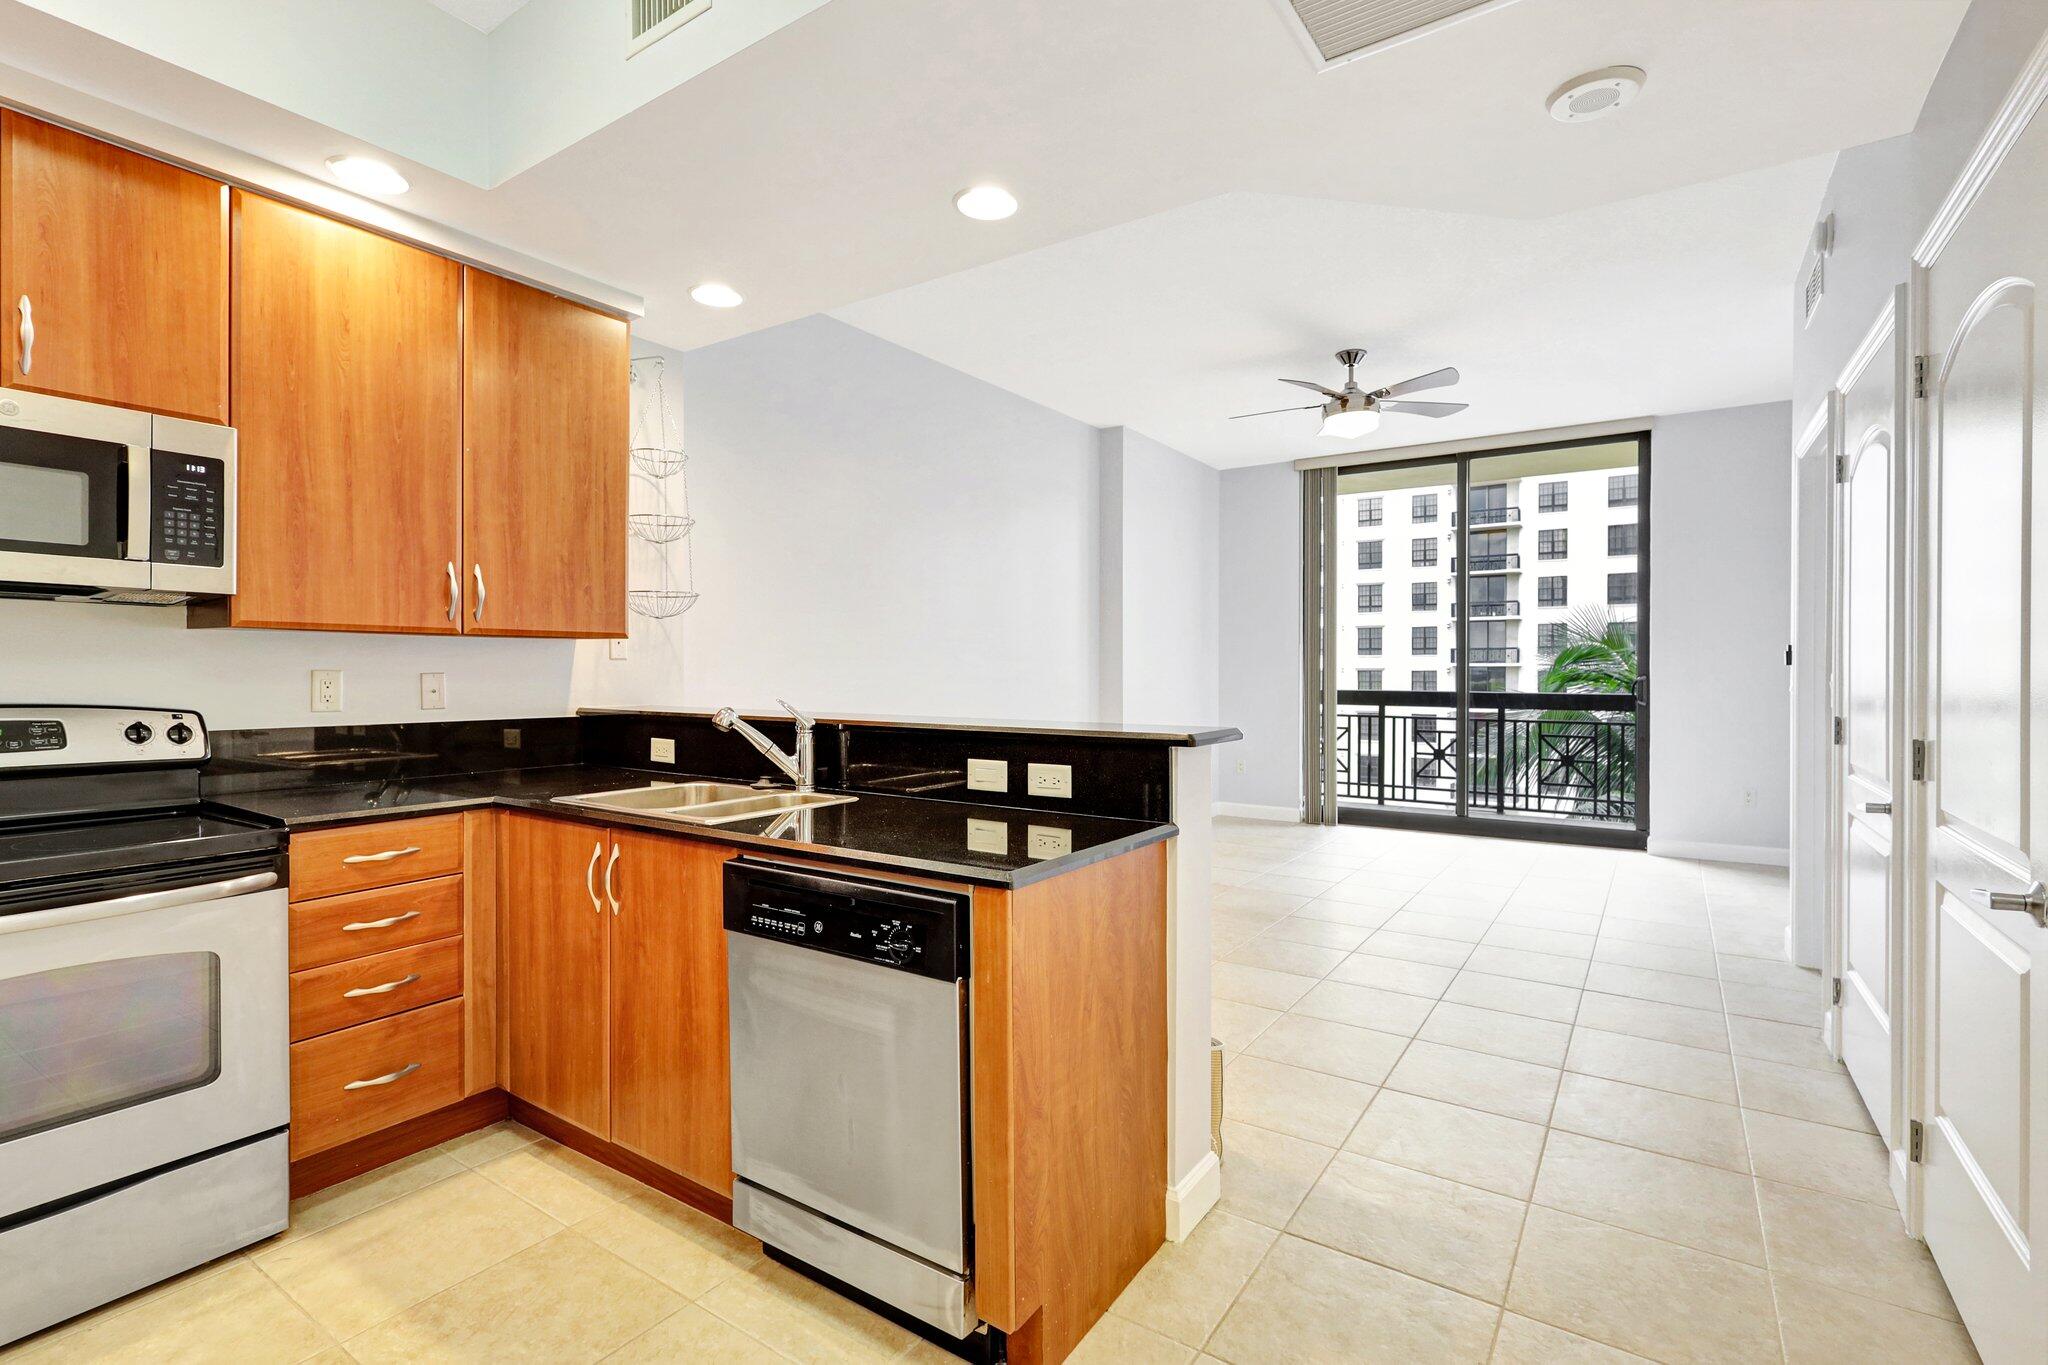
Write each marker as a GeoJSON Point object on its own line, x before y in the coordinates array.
{"type": "Point", "coordinates": [849, 1081]}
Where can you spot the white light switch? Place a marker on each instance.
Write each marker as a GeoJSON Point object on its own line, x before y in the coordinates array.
{"type": "Point", "coordinates": [1050, 779]}
{"type": "Point", "coordinates": [326, 689]}
{"type": "Point", "coordinates": [661, 750]}
{"type": "Point", "coordinates": [988, 836]}
{"type": "Point", "coordinates": [988, 775]}
{"type": "Point", "coordinates": [1043, 841]}
{"type": "Point", "coordinates": [433, 691]}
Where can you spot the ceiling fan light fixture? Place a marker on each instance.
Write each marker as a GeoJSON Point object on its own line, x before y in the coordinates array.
{"type": "Point", "coordinates": [1345, 423]}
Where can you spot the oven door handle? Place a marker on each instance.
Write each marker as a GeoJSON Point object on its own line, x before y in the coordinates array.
{"type": "Point", "coordinates": [137, 904]}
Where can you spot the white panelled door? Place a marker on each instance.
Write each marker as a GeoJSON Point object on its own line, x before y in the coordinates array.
{"type": "Point", "coordinates": [1985, 952]}
{"type": "Point", "coordinates": [1869, 943]}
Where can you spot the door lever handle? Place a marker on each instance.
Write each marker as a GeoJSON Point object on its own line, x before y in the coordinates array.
{"type": "Point", "coordinates": [2032, 901]}
{"type": "Point", "coordinates": [1877, 808]}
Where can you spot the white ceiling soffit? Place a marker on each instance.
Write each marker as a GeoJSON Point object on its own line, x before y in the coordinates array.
{"type": "Point", "coordinates": [1344, 30]}
{"type": "Point", "coordinates": [1671, 302]}
{"type": "Point", "coordinates": [481, 15]}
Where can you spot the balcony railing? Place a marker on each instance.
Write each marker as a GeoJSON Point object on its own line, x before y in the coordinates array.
{"type": "Point", "coordinates": [1495, 516]}
{"type": "Point", "coordinates": [1495, 654]}
{"type": "Point", "coordinates": [1491, 563]}
{"type": "Point", "coordinates": [1533, 753]}
{"type": "Point", "coordinates": [1508, 608]}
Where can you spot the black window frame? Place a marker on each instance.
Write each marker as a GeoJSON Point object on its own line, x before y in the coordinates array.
{"type": "Point", "coordinates": [1423, 553]}
{"type": "Point", "coordinates": [1634, 589]}
{"type": "Point", "coordinates": [1422, 508]}
{"type": "Point", "coordinates": [1623, 490]}
{"type": "Point", "coordinates": [1371, 596]}
{"type": "Point", "coordinates": [1371, 642]}
{"type": "Point", "coordinates": [1422, 596]}
{"type": "Point", "coordinates": [1564, 590]}
{"type": "Point", "coordinates": [1554, 542]}
{"type": "Point", "coordinates": [1422, 641]}
{"type": "Point", "coordinates": [1628, 531]}
{"type": "Point", "coordinates": [1554, 495]}
{"type": "Point", "coordinates": [1371, 510]}
{"type": "Point", "coordinates": [1371, 554]}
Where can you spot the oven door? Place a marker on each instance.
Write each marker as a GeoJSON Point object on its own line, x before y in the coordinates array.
{"type": "Point", "coordinates": [138, 1031]}
{"type": "Point", "coordinates": [70, 514]}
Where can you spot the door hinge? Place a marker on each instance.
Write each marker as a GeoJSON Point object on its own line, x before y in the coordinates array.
{"type": "Point", "coordinates": [1788, 656]}
{"type": "Point", "coordinates": [1919, 376]}
{"type": "Point", "coordinates": [1916, 1141]}
{"type": "Point", "coordinates": [1838, 729]}
{"type": "Point", "coordinates": [1919, 760]}
{"type": "Point", "coordinates": [1838, 990]}
{"type": "Point", "coordinates": [1841, 469]}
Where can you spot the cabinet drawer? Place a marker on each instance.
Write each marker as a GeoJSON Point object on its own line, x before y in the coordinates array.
{"type": "Point", "coordinates": [326, 862]}
{"type": "Point", "coordinates": [369, 1077]}
{"type": "Point", "coordinates": [339, 928]}
{"type": "Point", "coordinates": [354, 992]}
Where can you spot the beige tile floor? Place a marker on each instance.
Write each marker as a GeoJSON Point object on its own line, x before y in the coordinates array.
{"type": "Point", "coordinates": [1485, 1100]}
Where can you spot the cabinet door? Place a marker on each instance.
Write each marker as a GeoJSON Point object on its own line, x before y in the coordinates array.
{"type": "Point", "coordinates": [348, 401]}
{"type": "Point", "coordinates": [554, 932]}
{"type": "Point", "coordinates": [545, 394]}
{"type": "Point", "coordinates": [124, 263]}
{"type": "Point", "coordinates": [671, 1071]}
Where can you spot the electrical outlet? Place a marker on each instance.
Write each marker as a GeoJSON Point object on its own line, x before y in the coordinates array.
{"type": "Point", "coordinates": [1049, 779]}
{"type": "Point", "coordinates": [433, 691]}
{"type": "Point", "coordinates": [1749, 796]}
{"type": "Point", "coordinates": [1240, 765]}
{"type": "Point", "coordinates": [661, 751]}
{"type": "Point", "coordinates": [619, 649]}
{"type": "Point", "coordinates": [988, 775]}
{"type": "Point", "coordinates": [326, 689]}
{"type": "Point", "coordinates": [988, 836]}
{"type": "Point", "coordinates": [511, 736]}
{"type": "Point", "coordinates": [1043, 841]}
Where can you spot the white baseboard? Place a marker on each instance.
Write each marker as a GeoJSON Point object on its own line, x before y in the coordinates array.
{"type": "Point", "coordinates": [1192, 1197]}
{"type": "Point", "coordinates": [1756, 855]}
{"type": "Point", "coordinates": [1290, 814]}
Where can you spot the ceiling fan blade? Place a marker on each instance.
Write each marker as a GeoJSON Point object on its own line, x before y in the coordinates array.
{"type": "Point", "coordinates": [1435, 379]}
{"type": "Point", "coordinates": [1308, 384]}
{"type": "Point", "coordinates": [1271, 411]}
{"type": "Point", "coordinates": [1423, 409]}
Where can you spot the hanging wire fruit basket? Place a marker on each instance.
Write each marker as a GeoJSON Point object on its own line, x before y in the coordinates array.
{"type": "Point", "coordinates": [659, 461]}
{"type": "Point", "coordinates": [663, 521]}
{"type": "Point", "coordinates": [660, 528]}
{"type": "Point", "coordinates": [660, 603]}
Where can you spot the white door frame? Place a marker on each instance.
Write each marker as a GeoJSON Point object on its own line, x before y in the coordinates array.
{"type": "Point", "coordinates": [1811, 698]}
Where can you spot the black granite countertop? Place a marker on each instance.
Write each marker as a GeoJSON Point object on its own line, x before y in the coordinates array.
{"type": "Point", "coordinates": [1180, 736]}
{"type": "Point", "coordinates": [912, 834]}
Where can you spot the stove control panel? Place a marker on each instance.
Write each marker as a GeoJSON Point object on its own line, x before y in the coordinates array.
{"type": "Point", "coordinates": [98, 736]}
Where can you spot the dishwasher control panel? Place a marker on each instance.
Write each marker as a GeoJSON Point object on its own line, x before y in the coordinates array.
{"type": "Point", "coordinates": [889, 924]}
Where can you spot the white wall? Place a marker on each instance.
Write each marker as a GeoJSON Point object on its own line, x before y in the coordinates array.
{"type": "Point", "coordinates": [1260, 616]}
{"type": "Point", "coordinates": [1159, 524]}
{"type": "Point", "coordinates": [875, 533]}
{"type": "Point", "coordinates": [1720, 540]}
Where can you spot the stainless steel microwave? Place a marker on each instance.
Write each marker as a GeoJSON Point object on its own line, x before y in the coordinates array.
{"type": "Point", "coordinates": [102, 504]}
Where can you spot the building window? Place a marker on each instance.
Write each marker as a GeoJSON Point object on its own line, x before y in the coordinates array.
{"type": "Point", "coordinates": [1550, 591]}
{"type": "Point", "coordinates": [1422, 640]}
{"type": "Point", "coordinates": [1422, 680]}
{"type": "Point", "coordinates": [1627, 631]}
{"type": "Point", "coordinates": [1553, 543]}
{"type": "Point", "coordinates": [1422, 507]}
{"type": "Point", "coordinates": [1549, 637]}
{"type": "Point", "coordinates": [1369, 679]}
{"type": "Point", "coordinates": [1422, 554]}
{"type": "Point", "coordinates": [1621, 490]}
{"type": "Point", "coordinates": [1369, 639]}
{"type": "Point", "coordinates": [1422, 597]}
{"type": "Point", "coordinates": [1621, 589]}
{"type": "Point", "coordinates": [1368, 596]}
{"type": "Point", "coordinates": [1553, 497]}
{"type": "Point", "coordinates": [1489, 679]}
{"type": "Point", "coordinates": [1621, 540]}
{"type": "Point", "coordinates": [1369, 511]}
{"type": "Point", "coordinates": [1368, 554]}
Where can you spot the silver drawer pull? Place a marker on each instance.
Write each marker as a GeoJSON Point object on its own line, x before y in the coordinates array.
{"type": "Point", "coordinates": [384, 989]}
{"type": "Point", "coordinates": [362, 924]}
{"type": "Point", "coordinates": [385, 1079]}
{"type": "Point", "coordinates": [386, 856]}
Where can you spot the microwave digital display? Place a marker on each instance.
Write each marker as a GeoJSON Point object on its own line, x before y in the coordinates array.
{"type": "Point", "coordinates": [187, 495]}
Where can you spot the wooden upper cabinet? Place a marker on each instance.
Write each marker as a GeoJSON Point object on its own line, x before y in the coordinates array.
{"type": "Point", "coordinates": [124, 263]}
{"type": "Point", "coordinates": [671, 1061]}
{"type": "Point", "coordinates": [545, 387]}
{"type": "Point", "coordinates": [554, 939]}
{"type": "Point", "coordinates": [348, 405]}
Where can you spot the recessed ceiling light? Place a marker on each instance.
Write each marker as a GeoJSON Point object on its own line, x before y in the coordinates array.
{"type": "Point", "coordinates": [367, 175]}
{"type": "Point", "coordinates": [715, 295]}
{"type": "Point", "coordinates": [986, 203]}
{"type": "Point", "coordinates": [1595, 94]}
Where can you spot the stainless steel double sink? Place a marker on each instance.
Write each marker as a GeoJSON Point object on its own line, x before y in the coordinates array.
{"type": "Point", "coordinates": [704, 803]}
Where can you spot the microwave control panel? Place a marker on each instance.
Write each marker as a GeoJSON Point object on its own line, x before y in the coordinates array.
{"type": "Point", "coordinates": [188, 500]}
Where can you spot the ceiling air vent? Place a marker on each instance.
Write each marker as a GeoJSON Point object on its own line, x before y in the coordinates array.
{"type": "Point", "coordinates": [1340, 30]}
{"type": "Point", "coordinates": [654, 20]}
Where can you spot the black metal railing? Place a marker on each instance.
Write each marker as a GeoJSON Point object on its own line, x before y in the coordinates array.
{"type": "Point", "coordinates": [1495, 654]}
{"type": "Point", "coordinates": [1507, 608]}
{"type": "Point", "coordinates": [1491, 563]}
{"type": "Point", "coordinates": [1532, 753]}
{"type": "Point", "coordinates": [1495, 516]}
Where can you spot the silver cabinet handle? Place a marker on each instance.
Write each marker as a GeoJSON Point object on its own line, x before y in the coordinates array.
{"type": "Point", "coordinates": [385, 1079]}
{"type": "Point", "coordinates": [28, 335]}
{"type": "Point", "coordinates": [478, 569]}
{"type": "Point", "coordinates": [454, 592]}
{"type": "Point", "coordinates": [2032, 901]}
{"type": "Point", "coordinates": [361, 925]}
{"type": "Point", "coordinates": [386, 856]}
{"type": "Point", "coordinates": [1877, 808]}
{"type": "Point", "coordinates": [384, 989]}
{"type": "Point", "coordinates": [590, 876]}
{"type": "Point", "coordinates": [609, 868]}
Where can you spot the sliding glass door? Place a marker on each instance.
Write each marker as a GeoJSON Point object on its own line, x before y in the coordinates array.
{"type": "Point", "coordinates": [1480, 644]}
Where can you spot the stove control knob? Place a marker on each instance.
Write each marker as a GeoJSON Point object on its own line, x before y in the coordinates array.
{"type": "Point", "coordinates": [138, 733]}
{"type": "Point", "coordinates": [179, 733]}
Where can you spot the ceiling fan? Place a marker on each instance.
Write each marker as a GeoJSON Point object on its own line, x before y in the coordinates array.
{"type": "Point", "coordinates": [1352, 411]}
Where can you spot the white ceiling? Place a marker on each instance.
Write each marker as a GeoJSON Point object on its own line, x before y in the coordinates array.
{"type": "Point", "coordinates": [1669, 302]}
{"type": "Point", "coordinates": [481, 15]}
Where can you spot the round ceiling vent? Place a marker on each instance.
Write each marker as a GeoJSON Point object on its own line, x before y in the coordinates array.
{"type": "Point", "coordinates": [1595, 94]}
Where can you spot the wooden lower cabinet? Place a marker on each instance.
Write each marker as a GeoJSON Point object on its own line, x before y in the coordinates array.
{"type": "Point", "coordinates": [363, 1079]}
{"type": "Point", "coordinates": [555, 945]}
{"type": "Point", "coordinates": [671, 1065]}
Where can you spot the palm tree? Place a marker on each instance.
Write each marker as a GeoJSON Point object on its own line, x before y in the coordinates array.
{"type": "Point", "coordinates": [1598, 656]}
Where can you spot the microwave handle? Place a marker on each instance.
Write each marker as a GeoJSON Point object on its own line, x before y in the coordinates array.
{"type": "Point", "coordinates": [136, 904]}
{"type": "Point", "coordinates": [28, 334]}
{"type": "Point", "coordinates": [140, 482]}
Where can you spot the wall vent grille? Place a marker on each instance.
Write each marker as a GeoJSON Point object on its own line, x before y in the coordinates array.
{"type": "Point", "coordinates": [653, 20]}
{"type": "Point", "coordinates": [1342, 29]}
{"type": "Point", "coordinates": [1816, 285]}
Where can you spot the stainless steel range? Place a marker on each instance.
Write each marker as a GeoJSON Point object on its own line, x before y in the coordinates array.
{"type": "Point", "coordinates": [144, 1077]}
